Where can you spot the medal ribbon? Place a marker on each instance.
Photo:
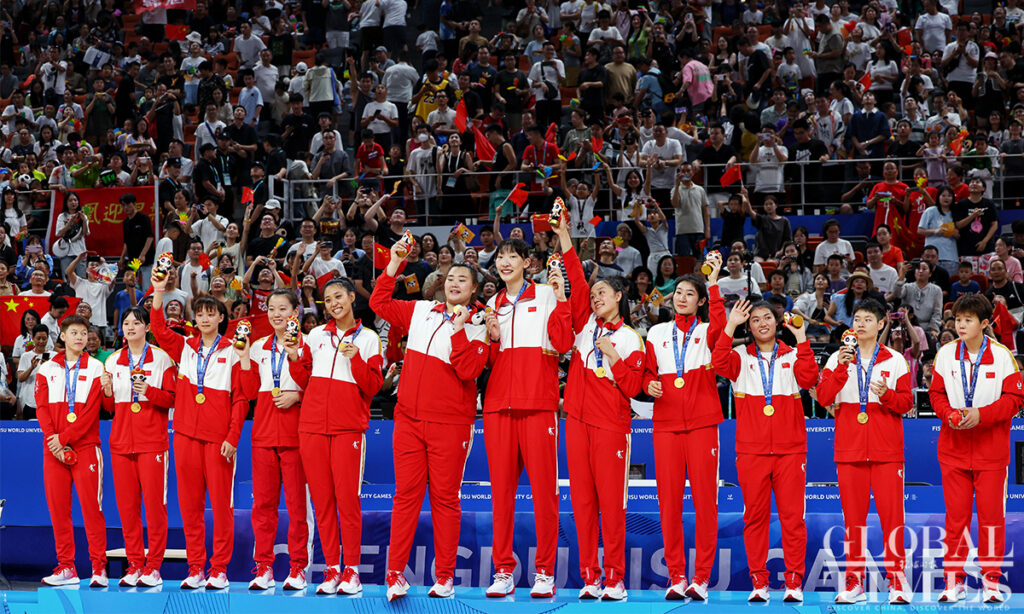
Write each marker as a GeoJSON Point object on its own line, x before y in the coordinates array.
{"type": "Point", "coordinates": [767, 380]}
{"type": "Point", "coordinates": [132, 366]}
{"type": "Point", "coordinates": [71, 383]}
{"type": "Point", "coordinates": [863, 382]}
{"type": "Point", "coordinates": [975, 367]}
{"type": "Point", "coordinates": [598, 354]}
{"type": "Point", "coordinates": [681, 356]}
{"type": "Point", "coordinates": [337, 344]}
{"type": "Point", "coordinates": [202, 362]}
{"type": "Point", "coordinates": [276, 365]}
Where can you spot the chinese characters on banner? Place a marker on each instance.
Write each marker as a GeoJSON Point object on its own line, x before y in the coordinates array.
{"type": "Point", "coordinates": [102, 206]}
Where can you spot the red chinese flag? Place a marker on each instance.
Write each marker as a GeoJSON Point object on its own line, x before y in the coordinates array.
{"type": "Point", "coordinates": [551, 135]}
{"type": "Point", "coordinates": [176, 33]}
{"type": "Point", "coordinates": [204, 260]}
{"type": "Point", "coordinates": [323, 279]}
{"type": "Point", "coordinates": [381, 256]}
{"type": "Point", "coordinates": [247, 196]}
{"type": "Point", "coordinates": [594, 221]}
{"type": "Point", "coordinates": [732, 175]}
{"type": "Point", "coordinates": [12, 307]}
{"type": "Point", "coordinates": [484, 149]}
{"type": "Point", "coordinates": [541, 222]}
{"type": "Point", "coordinates": [866, 81]}
{"type": "Point", "coordinates": [461, 115]}
{"type": "Point", "coordinates": [904, 37]}
{"type": "Point", "coordinates": [519, 194]}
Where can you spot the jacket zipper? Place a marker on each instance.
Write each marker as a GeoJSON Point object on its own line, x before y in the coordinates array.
{"type": "Point", "coordinates": [419, 381]}
{"type": "Point", "coordinates": [512, 345]}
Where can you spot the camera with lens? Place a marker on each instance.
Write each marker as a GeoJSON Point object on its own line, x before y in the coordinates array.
{"type": "Point", "coordinates": [748, 258]}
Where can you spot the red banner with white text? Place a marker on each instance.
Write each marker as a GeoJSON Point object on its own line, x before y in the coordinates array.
{"type": "Point", "coordinates": [102, 206]}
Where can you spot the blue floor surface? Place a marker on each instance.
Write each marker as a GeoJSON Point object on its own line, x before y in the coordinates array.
{"type": "Point", "coordinates": [169, 599]}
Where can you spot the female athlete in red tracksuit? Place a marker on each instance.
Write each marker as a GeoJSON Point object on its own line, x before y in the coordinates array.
{"type": "Point", "coordinates": [870, 385]}
{"type": "Point", "coordinates": [434, 418]}
{"type": "Point", "coordinates": [275, 450]}
{"type": "Point", "coordinates": [339, 369]}
{"type": "Point", "coordinates": [68, 391]}
{"type": "Point", "coordinates": [528, 327]}
{"type": "Point", "coordinates": [139, 390]}
{"type": "Point", "coordinates": [771, 437]}
{"type": "Point", "coordinates": [209, 412]}
{"type": "Point", "coordinates": [605, 372]}
{"type": "Point", "coordinates": [975, 391]}
{"type": "Point", "coordinates": [686, 416]}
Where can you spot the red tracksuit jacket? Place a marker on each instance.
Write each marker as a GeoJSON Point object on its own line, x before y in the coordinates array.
{"type": "Point", "coordinates": [881, 439]}
{"type": "Point", "coordinates": [696, 404]}
{"type": "Point", "coordinates": [145, 431]}
{"type": "Point", "coordinates": [600, 401]}
{"type": "Point", "coordinates": [337, 391]}
{"type": "Point", "coordinates": [52, 404]}
{"type": "Point", "coordinates": [221, 416]}
{"type": "Point", "coordinates": [271, 427]}
{"type": "Point", "coordinates": [534, 331]}
{"type": "Point", "coordinates": [784, 432]}
{"type": "Point", "coordinates": [998, 397]}
{"type": "Point", "coordinates": [438, 382]}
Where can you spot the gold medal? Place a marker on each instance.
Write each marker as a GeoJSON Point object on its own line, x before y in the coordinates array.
{"type": "Point", "coordinates": [275, 391]}
{"type": "Point", "coordinates": [600, 372]}
{"type": "Point", "coordinates": [200, 398]}
{"type": "Point", "coordinates": [136, 408]}
{"type": "Point", "coordinates": [862, 417]}
{"type": "Point", "coordinates": [769, 410]}
{"type": "Point", "coordinates": [679, 382]}
{"type": "Point", "coordinates": [72, 417]}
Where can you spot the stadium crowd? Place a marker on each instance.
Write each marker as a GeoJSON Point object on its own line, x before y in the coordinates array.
{"type": "Point", "coordinates": [290, 143]}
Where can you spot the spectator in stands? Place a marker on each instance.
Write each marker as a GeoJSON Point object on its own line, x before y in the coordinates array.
{"type": "Point", "coordinates": [976, 220]}
{"type": "Point", "coordinates": [883, 275]}
{"type": "Point", "coordinates": [691, 212]}
{"type": "Point", "coordinates": [832, 245]}
{"type": "Point", "coordinates": [924, 297]}
{"type": "Point", "coordinates": [964, 284]}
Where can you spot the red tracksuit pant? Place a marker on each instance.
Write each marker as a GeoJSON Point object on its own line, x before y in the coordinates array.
{"type": "Point", "coordinates": [786, 476]}
{"type": "Point", "coordinates": [960, 488]}
{"type": "Point", "coordinates": [428, 454]}
{"type": "Point", "coordinates": [201, 468]}
{"type": "Point", "coordinates": [86, 477]}
{"type": "Point", "coordinates": [857, 482]}
{"type": "Point", "coordinates": [598, 471]}
{"type": "Point", "coordinates": [272, 467]}
{"type": "Point", "coordinates": [334, 472]}
{"type": "Point", "coordinates": [676, 456]}
{"type": "Point", "coordinates": [514, 440]}
{"type": "Point", "coordinates": [142, 479]}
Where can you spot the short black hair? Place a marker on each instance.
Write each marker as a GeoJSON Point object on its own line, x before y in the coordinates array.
{"type": "Point", "coordinates": [976, 304]}
{"type": "Point", "coordinates": [873, 307]}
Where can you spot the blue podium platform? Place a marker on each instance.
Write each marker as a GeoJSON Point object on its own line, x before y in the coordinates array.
{"type": "Point", "coordinates": [170, 600]}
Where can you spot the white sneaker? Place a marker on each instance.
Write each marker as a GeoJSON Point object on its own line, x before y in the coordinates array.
{"type": "Point", "coordinates": [62, 576]}
{"type": "Point", "coordinates": [195, 579]}
{"type": "Point", "coordinates": [150, 578]}
{"type": "Point", "coordinates": [99, 579]}
{"type": "Point", "coordinates": [543, 585]}
{"type": "Point", "coordinates": [614, 590]}
{"type": "Point", "coordinates": [952, 594]}
{"type": "Point", "coordinates": [899, 594]}
{"type": "Point", "coordinates": [264, 578]}
{"type": "Point", "coordinates": [992, 592]}
{"type": "Point", "coordinates": [296, 580]}
{"type": "Point", "coordinates": [218, 582]}
{"type": "Point", "coordinates": [503, 585]}
{"type": "Point", "coordinates": [677, 590]}
{"type": "Point", "coordinates": [854, 591]}
{"type": "Point", "coordinates": [698, 589]}
{"type": "Point", "coordinates": [332, 577]}
{"type": "Point", "coordinates": [444, 587]}
{"type": "Point", "coordinates": [131, 576]}
{"type": "Point", "coordinates": [794, 595]}
{"type": "Point", "coordinates": [759, 595]}
{"type": "Point", "coordinates": [397, 585]}
{"type": "Point", "coordinates": [591, 585]}
{"type": "Point", "coordinates": [350, 584]}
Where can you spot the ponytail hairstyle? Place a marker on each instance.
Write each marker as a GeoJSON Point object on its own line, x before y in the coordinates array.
{"type": "Point", "coordinates": [702, 294]}
{"type": "Point", "coordinates": [208, 303]}
{"type": "Point", "coordinates": [344, 282]}
{"type": "Point", "coordinates": [617, 285]}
